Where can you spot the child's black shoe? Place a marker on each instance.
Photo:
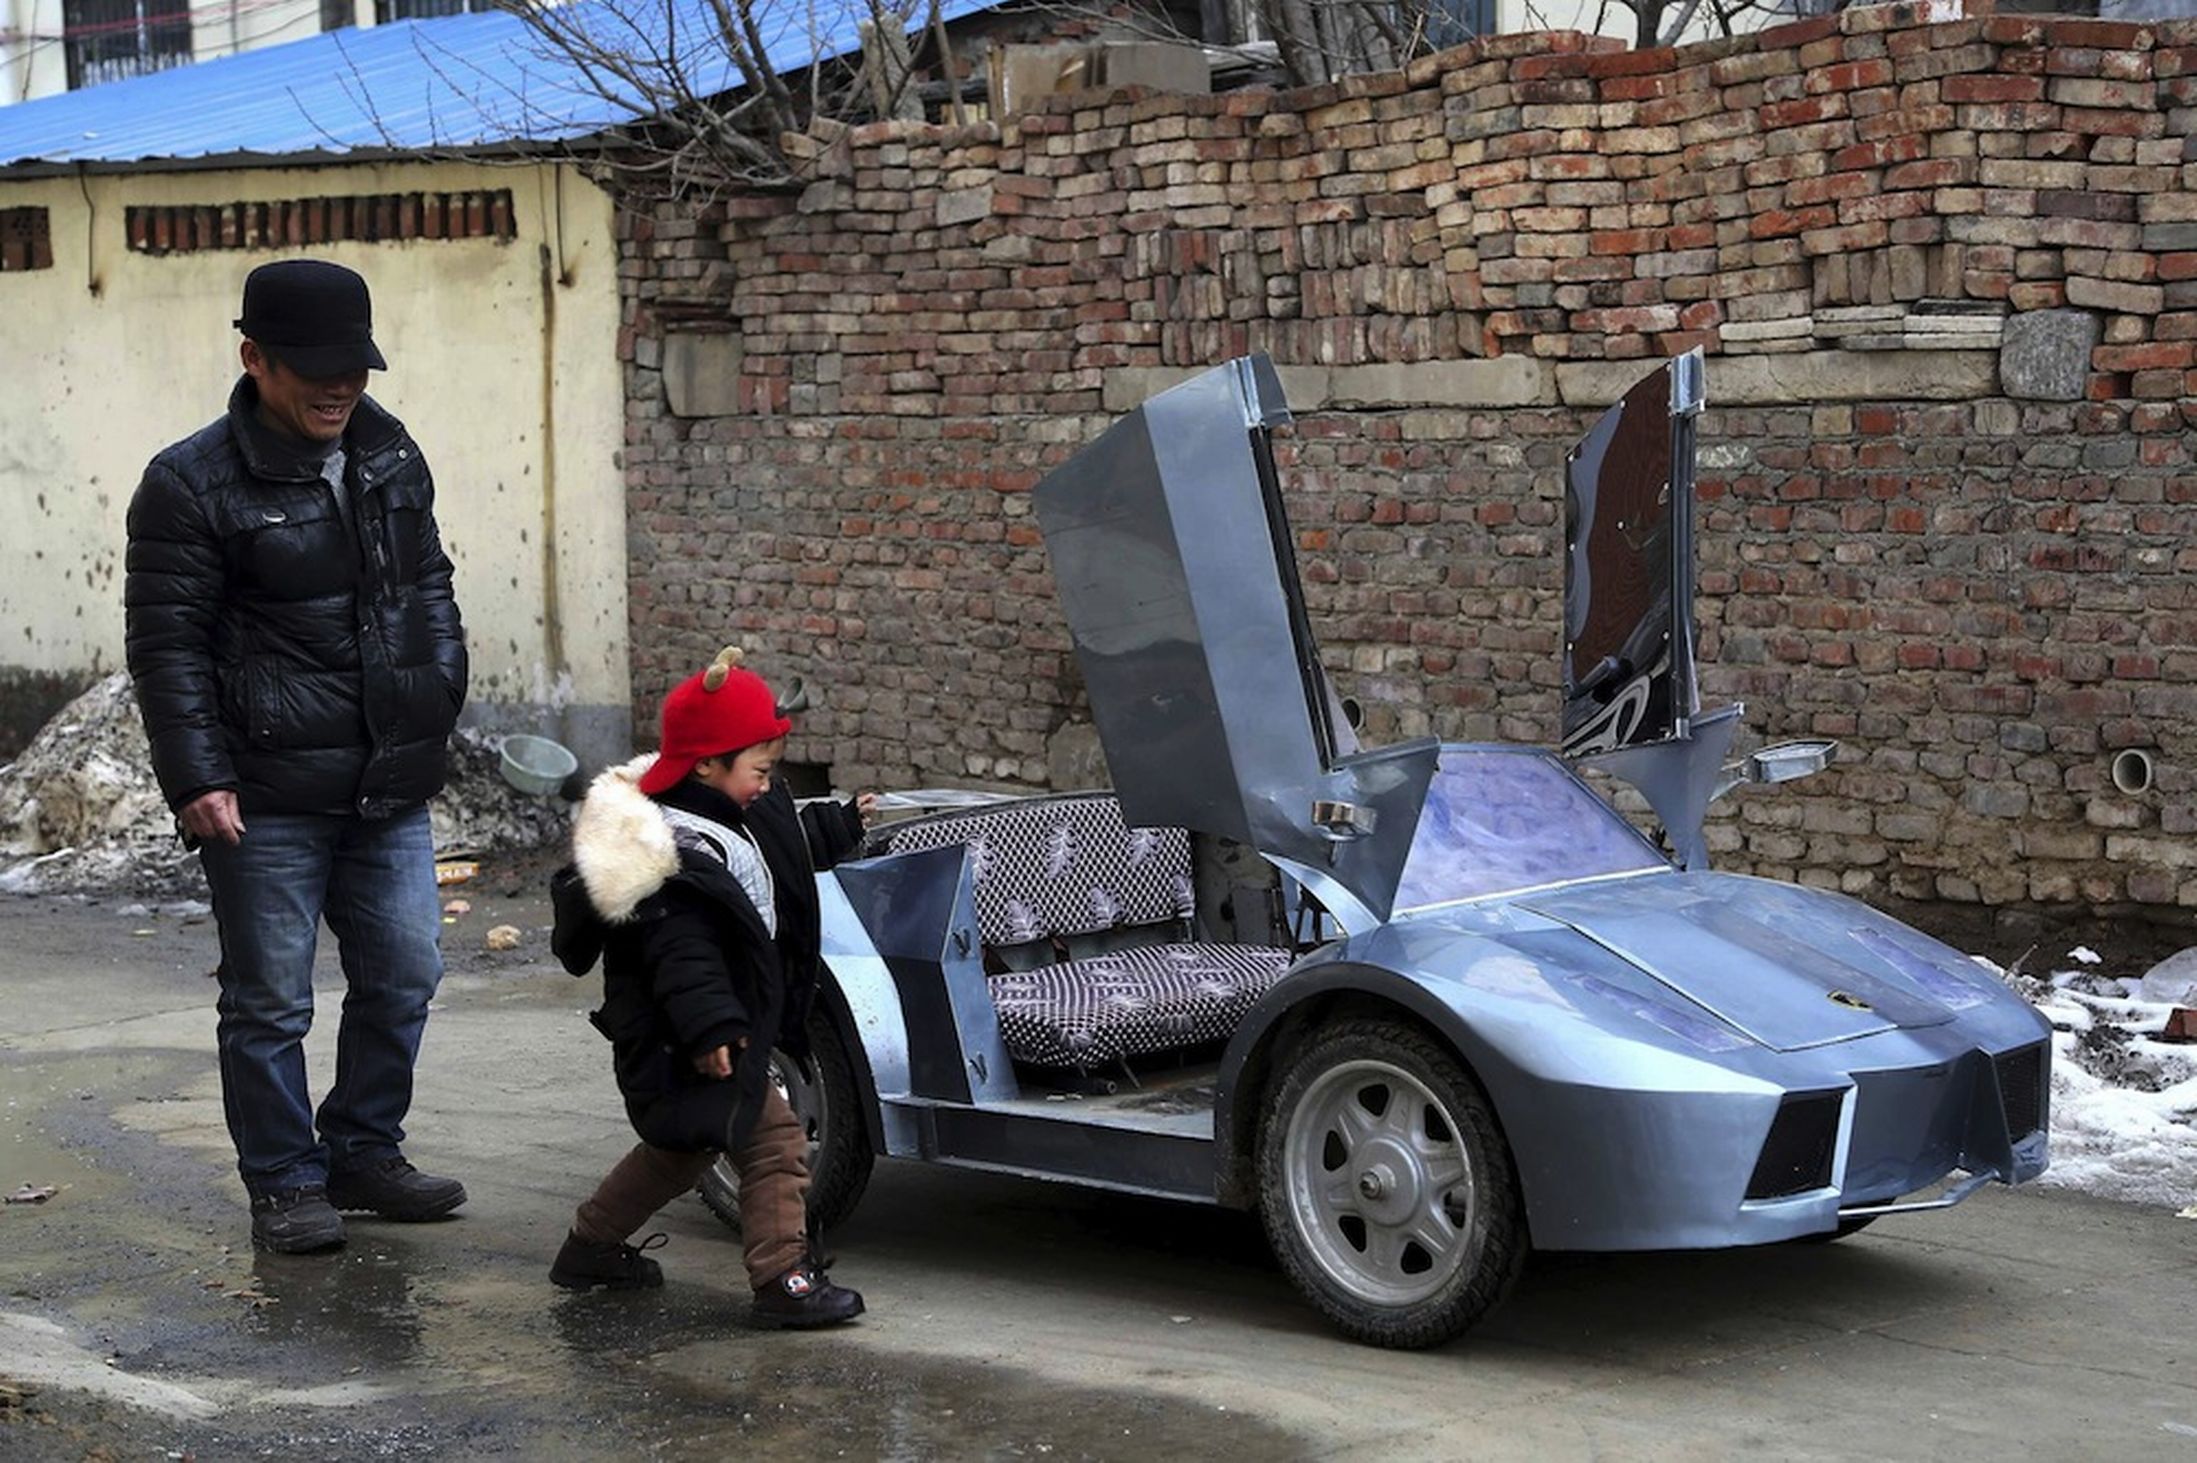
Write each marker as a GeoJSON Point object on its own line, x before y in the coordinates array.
{"type": "Point", "coordinates": [803, 1298]}
{"type": "Point", "coordinates": [584, 1264]}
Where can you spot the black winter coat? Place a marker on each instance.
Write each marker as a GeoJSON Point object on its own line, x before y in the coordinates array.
{"type": "Point", "coordinates": [688, 965]}
{"type": "Point", "coordinates": [310, 659]}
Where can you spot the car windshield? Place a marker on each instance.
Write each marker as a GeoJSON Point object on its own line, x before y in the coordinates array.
{"type": "Point", "coordinates": [1501, 820]}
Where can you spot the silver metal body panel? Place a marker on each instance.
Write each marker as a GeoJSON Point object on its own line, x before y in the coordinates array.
{"type": "Point", "coordinates": [879, 1040]}
{"type": "Point", "coordinates": [1178, 579]}
{"type": "Point", "coordinates": [1636, 1109]}
{"type": "Point", "coordinates": [1652, 1035]}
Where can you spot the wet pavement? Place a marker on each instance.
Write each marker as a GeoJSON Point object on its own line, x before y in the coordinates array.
{"type": "Point", "coordinates": [1008, 1319]}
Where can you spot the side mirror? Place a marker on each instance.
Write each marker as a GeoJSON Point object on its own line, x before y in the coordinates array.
{"type": "Point", "coordinates": [1788, 760]}
{"type": "Point", "coordinates": [1783, 762]}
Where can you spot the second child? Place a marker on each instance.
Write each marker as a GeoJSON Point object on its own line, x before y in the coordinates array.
{"type": "Point", "coordinates": [693, 881]}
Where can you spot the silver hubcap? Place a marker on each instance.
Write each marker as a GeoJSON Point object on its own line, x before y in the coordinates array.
{"type": "Point", "coordinates": [806, 1098]}
{"type": "Point", "coordinates": [1381, 1188]}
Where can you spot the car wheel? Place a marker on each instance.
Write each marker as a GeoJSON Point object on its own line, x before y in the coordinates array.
{"type": "Point", "coordinates": [829, 1108]}
{"type": "Point", "coordinates": [1386, 1186]}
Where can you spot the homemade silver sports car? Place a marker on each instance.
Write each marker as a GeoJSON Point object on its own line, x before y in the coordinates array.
{"type": "Point", "coordinates": [1455, 1006]}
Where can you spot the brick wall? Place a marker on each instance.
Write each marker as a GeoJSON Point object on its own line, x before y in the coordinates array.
{"type": "Point", "coordinates": [1946, 275]}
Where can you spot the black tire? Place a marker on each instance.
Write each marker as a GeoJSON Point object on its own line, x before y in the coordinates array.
{"type": "Point", "coordinates": [1473, 1223]}
{"type": "Point", "coordinates": [839, 1144]}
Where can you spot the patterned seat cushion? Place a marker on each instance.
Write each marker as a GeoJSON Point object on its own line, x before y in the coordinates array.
{"type": "Point", "coordinates": [1087, 1013]}
{"type": "Point", "coordinates": [1061, 866]}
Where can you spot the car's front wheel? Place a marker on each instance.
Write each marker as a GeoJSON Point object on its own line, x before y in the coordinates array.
{"type": "Point", "coordinates": [1386, 1186]}
{"type": "Point", "coordinates": [828, 1105]}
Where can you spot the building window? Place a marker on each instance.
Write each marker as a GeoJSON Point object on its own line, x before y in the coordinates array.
{"type": "Point", "coordinates": [1454, 22]}
{"type": "Point", "coordinates": [26, 240]}
{"type": "Point", "coordinates": [336, 14]}
{"type": "Point", "coordinates": [108, 40]}
{"type": "Point", "coordinates": [386, 11]}
{"type": "Point", "coordinates": [372, 218]}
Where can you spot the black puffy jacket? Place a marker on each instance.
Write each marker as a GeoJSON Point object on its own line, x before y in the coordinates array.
{"type": "Point", "coordinates": [687, 962]}
{"type": "Point", "coordinates": [309, 659]}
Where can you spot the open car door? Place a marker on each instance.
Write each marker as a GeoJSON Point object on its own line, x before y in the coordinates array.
{"type": "Point", "coordinates": [1629, 567]}
{"type": "Point", "coordinates": [1178, 576]}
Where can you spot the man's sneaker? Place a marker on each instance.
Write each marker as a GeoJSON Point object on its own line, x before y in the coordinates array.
{"type": "Point", "coordinates": [583, 1264]}
{"type": "Point", "coordinates": [295, 1221]}
{"type": "Point", "coordinates": [802, 1298]}
{"type": "Point", "coordinates": [396, 1190]}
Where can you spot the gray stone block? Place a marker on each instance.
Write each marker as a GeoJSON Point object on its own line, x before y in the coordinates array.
{"type": "Point", "coordinates": [964, 205]}
{"type": "Point", "coordinates": [1811, 376]}
{"type": "Point", "coordinates": [2046, 354]}
{"type": "Point", "coordinates": [1074, 760]}
{"type": "Point", "coordinates": [702, 372]}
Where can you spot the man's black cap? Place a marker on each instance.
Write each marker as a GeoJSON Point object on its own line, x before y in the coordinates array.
{"type": "Point", "coordinates": [313, 316]}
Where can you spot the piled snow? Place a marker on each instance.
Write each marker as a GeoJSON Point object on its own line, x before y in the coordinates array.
{"type": "Point", "coordinates": [80, 812]}
{"type": "Point", "coordinates": [478, 812]}
{"type": "Point", "coordinates": [2124, 1104]}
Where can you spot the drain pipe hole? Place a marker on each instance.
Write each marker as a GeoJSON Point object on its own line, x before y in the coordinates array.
{"type": "Point", "coordinates": [2132, 771]}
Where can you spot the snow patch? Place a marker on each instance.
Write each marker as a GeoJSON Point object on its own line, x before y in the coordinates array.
{"type": "Point", "coordinates": [80, 812]}
{"type": "Point", "coordinates": [2124, 1105]}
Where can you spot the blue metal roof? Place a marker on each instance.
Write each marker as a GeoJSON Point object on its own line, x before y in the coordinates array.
{"type": "Point", "coordinates": [465, 82]}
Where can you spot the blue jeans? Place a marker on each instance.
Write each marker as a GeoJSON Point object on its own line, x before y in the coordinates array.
{"type": "Point", "coordinates": [374, 882]}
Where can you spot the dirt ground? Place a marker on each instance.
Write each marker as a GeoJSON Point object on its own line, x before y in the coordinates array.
{"type": "Point", "coordinates": [1009, 1319]}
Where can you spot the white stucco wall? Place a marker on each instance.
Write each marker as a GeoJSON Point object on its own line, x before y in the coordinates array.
{"type": "Point", "coordinates": [503, 362]}
{"type": "Point", "coordinates": [32, 63]}
{"type": "Point", "coordinates": [1608, 17]}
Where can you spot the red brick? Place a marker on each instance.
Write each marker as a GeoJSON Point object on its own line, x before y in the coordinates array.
{"type": "Point", "coordinates": [2094, 122]}
{"type": "Point", "coordinates": [1625, 241]}
{"type": "Point", "coordinates": [2104, 35]}
{"type": "Point", "coordinates": [1934, 173]}
{"type": "Point", "coordinates": [1805, 191]}
{"type": "Point", "coordinates": [1876, 154]}
{"type": "Point", "coordinates": [1649, 60]}
{"type": "Point", "coordinates": [1986, 87]}
{"type": "Point", "coordinates": [1638, 88]}
{"type": "Point", "coordinates": [1777, 223]}
{"type": "Point", "coordinates": [1529, 68]}
{"type": "Point", "coordinates": [1807, 109]}
{"type": "Point", "coordinates": [2156, 355]}
{"type": "Point", "coordinates": [1797, 33]}
{"type": "Point", "coordinates": [1850, 76]}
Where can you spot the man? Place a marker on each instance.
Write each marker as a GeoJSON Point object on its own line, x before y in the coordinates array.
{"type": "Point", "coordinates": [299, 661]}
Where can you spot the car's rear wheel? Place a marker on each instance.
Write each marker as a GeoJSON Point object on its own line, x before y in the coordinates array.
{"type": "Point", "coordinates": [1386, 1186]}
{"type": "Point", "coordinates": [829, 1109]}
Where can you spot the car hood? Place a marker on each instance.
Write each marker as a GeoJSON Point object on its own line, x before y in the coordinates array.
{"type": "Point", "coordinates": [1791, 967]}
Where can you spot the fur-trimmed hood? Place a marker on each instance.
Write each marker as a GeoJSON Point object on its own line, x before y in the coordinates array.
{"type": "Point", "coordinates": [622, 844]}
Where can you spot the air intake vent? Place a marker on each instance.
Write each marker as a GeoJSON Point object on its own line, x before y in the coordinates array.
{"type": "Point", "coordinates": [1796, 1157]}
{"type": "Point", "coordinates": [2021, 1090]}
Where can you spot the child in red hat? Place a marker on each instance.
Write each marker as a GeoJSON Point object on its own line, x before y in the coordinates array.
{"type": "Point", "coordinates": [693, 880]}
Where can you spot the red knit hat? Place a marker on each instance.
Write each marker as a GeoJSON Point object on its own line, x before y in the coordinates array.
{"type": "Point", "coordinates": [713, 714]}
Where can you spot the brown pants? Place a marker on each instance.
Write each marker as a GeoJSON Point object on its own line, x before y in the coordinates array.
{"type": "Point", "coordinates": [774, 1188]}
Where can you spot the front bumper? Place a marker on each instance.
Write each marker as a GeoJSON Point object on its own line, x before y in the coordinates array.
{"type": "Point", "coordinates": [1866, 1128]}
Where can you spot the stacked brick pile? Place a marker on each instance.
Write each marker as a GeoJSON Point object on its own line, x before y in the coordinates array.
{"type": "Point", "coordinates": [1984, 591]}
